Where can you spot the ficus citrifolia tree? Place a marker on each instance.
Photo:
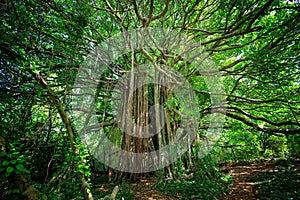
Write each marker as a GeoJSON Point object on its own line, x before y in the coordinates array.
{"type": "Point", "coordinates": [252, 45]}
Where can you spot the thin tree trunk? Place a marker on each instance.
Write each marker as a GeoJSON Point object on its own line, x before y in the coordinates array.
{"type": "Point", "coordinates": [158, 140]}
{"type": "Point", "coordinates": [64, 116]}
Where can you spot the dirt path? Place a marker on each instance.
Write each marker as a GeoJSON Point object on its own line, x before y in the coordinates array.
{"type": "Point", "coordinates": [245, 178]}
{"type": "Point", "coordinates": [247, 181]}
{"type": "Point", "coordinates": [145, 190]}
{"type": "Point", "coordinates": [250, 181]}
{"type": "Point", "coordinates": [142, 190]}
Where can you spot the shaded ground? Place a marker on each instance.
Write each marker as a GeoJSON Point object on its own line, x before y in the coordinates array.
{"type": "Point", "coordinates": [145, 190]}
{"type": "Point", "coordinates": [140, 190]}
{"type": "Point", "coordinates": [264, 180]}
{"type": "Point", "coordinates": [272, 179]}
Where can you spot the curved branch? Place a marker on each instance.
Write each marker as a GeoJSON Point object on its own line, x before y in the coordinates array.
{"type": "Point", "coordinates": [263, 118]}
{"type": "Point", "coordinates": [270, 130]}
{"type": "Point", "coordinates": [162, 14]}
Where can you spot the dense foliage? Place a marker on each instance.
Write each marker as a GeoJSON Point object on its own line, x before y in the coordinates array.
{"type": "Point", "coordinates": [254, 45]}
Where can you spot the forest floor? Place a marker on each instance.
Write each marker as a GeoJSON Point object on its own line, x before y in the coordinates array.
{"type": "Point", "coordinates": [264, 180]}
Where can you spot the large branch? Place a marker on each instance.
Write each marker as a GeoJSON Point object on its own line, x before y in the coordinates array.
{"type": "Point", "coordinates": [266, 129]}
{"type": "Point", "coordinates": [263, 118]}
{"type": "Point", "coordinates": [259, 13]}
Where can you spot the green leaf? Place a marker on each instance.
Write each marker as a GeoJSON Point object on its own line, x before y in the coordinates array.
{"type": "Point", "coordinates": [9, 170]}
{"type": "Point", "coordinates": [13, 162]}
{"type": "Point", "coordinates": [44, 196]}
{"type": "Point", "coordinates": [21, 168]}
{"type": "Point", "coordinates": [15, 191]}
{"type": "Point", "coordinates": [5, 163]}
{"type": "Point", "coordinates": [86, 167]}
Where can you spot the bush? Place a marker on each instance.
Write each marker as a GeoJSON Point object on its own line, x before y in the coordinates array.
{"type": "Point", "coordinates": [205, 182]}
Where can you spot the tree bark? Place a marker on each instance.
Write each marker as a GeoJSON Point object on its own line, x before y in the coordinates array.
{"type": "Point", "coordinates": [64, 116]}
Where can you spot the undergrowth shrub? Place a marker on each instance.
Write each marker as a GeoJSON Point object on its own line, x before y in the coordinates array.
{"type": "Point", "coordinates": [205, 182]}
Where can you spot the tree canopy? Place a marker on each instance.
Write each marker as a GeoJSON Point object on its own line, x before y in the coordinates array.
{"type": "Point", "coordinates": [253, 46]}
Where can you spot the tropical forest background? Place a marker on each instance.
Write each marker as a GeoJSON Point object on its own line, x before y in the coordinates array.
{"type": "Point", "coordinates": [254, 44]}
